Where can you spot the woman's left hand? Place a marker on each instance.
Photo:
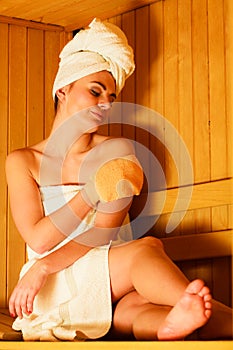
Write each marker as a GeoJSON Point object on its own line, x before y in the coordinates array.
{"type": "Point", "coordinates": [23, 295]}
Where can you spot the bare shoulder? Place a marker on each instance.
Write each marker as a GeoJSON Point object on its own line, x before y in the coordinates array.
{"type": "Point", "coordinates": [21, 161]}
{"type": "Point", "coordinates": [17, 157]}
{"type": "Point", "coordinates": [116, 146]}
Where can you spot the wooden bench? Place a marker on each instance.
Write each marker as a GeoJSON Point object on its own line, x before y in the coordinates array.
{"type": "Point", "coordinates": [6, 332]}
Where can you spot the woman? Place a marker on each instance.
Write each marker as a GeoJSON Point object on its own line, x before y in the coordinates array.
{"type": "Point", "coordinates": [78, 264]}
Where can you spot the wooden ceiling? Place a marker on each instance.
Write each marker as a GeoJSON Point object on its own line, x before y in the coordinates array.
{"type": "Point", "coordinates": [70, 14]}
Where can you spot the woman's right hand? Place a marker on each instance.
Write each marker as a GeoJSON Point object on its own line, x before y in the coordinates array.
{"type": "Point", "coordinates": [23, 295]}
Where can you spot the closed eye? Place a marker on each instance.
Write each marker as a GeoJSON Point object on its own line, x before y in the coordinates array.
{"type": "Point", "coordinates": [95, 93]}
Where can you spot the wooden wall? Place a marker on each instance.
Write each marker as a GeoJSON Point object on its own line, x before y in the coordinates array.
{"type": "Point", "coordinates": [28, 62]}
{"type": "Point", "coordinates": [183, 52]}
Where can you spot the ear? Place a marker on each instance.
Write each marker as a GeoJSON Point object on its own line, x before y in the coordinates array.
{"type": "Point", "coordinates": [61, 93]}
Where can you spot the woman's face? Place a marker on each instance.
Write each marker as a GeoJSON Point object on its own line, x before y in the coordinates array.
{"type": "Point", "coordinates": [96, 89]}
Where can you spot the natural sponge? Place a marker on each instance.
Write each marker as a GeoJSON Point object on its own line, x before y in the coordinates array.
{"type": "Point", "coordinates": [119, 178]}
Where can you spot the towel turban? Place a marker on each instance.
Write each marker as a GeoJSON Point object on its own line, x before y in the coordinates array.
{"type": "Point", "coordinates": [102, 46]}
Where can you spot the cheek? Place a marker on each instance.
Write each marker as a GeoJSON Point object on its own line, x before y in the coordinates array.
{"type": "Point", "coordinates": [83, 100]}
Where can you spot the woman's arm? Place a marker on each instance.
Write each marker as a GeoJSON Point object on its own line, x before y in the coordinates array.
{"type": "Point", "coordinates": [106, 227]}
{"type": "Point", "coordinates": [37, 230]}
{"type": "Point", "coordinates": [41, 232]}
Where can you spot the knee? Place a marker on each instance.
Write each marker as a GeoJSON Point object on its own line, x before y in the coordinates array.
{"type": "Point", "coordinates": [150, 242]}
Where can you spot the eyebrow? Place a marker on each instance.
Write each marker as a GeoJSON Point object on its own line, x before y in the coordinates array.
{"type": "Point", "coordinates": [104, 87]}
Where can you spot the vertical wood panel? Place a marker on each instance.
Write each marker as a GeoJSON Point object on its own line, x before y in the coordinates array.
{"type": "Point", "coordinates": [218, 125]}
{"type": "Point", "coordinates": [171, 108]}
{"type": "Point", "coordinates": [128, 94]}
{"type": "Point", "coordinates": [200, 91]}
{"type": "Point", "coordinates": [52, 49]}
{"type": "Point", "coordinates": [35, 86]}
{"type": "Point", "coordinates": [156, 57]}
{"type": "Point", "coordinates": [185, 74]}
{"type": "Point", "coordinates": [156, 76]}
{"type": "Point", "coordinates": [116, 129]}
{"type": "Point", "coordinates": [219, 218]}
{"type": "Point", "coordinates": [3, 153]}
{"type": "Point", "coordinates": [128, 26]}
{"type": "Point", "coordinates": [22, 113]}
{"type": "Point", "coordinates": [142, 81]}
{"type": "Point", "coordinates": [221, 282]}
{"type": "Point", "coordinates": [228, 22]}
{"type": "Point", "coordinates": [17, 137]}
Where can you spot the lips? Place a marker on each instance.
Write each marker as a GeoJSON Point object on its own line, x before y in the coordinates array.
{"type": "Point", "coordinates": [97, 115]}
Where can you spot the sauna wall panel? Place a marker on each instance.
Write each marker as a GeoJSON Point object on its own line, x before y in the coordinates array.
{"type": "Point", "coordinates": [183, 53]}
{"type": "Point", "coordinates": [28, 62]}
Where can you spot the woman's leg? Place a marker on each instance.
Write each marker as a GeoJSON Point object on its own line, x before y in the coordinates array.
{"type": "Point", "coordinates": [142, 266]}
{"type": "Point", "coordinates": [135, 315]}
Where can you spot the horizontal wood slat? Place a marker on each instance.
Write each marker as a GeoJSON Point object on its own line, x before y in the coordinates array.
{"type": "Point", "coordinates": [205, 195]}
{"type": "Point", "coordinates": [6, 331]}
{"type": "Point", "coordinates": [30, 24]}
{"type": "Point", "coordinates": [199, 246]}
{"type": "Point", "coordinates": [139, 345]}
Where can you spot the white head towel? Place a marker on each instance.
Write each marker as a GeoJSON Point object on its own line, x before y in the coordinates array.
{"type": "Point", "coordinates": [102, 46]}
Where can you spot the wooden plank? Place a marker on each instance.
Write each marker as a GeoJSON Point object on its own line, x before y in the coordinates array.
{"type": "Point", "coordinates": [35, 86]}
{"type": "Point", "coordinates": [200, 91]}
{"type": "Point", "coordinates": [199, 246]}
{"type": "Point", "coordinates": [156, 77]}
{"type": "Point", "coordinates": [115, 129]}
{"type": "Point", "coordinates": [221, 271]}
{"type": "Point", "coordinates": [30, 24]}
{"type": "Point", "coordinates": [220, 218]}
{"type": "Point", "coordinates": [202, 221]}
{"type": "Point", "coordinates": [139, 345]}
{"type": "Point", "coordinates": [186, 126]}
{"type": "Point", "coordinates": [79, 14]}
{"type": "Point", "coordinates": [52, 50]}
{"type": "Point", "coordinates": [228, 25]}
{"type": "Point", "coordinates": [6, 331]}
{"type": "Point", "coordinates": [210, 194]}
{"type": "Point", "coordinates": [17, 139]}
{"type": "Point", "coordinates": [156, 47]}
{"type": "Point", "coordinates": [128, 94]}
{"type": "Point", "coordinates": [230, 216]}
{"type": "Point", "coordinates": [218, 123]}
{"type": "Point", "coordinates": [3, 152]}
{"type": "Point", "coordinates": [5, 317]}
{"type": "Point", "coordinates": [142, 81]}
{"type": "Point", "coordinates": [128, 27]}
{"type": "Point", "coordinates": [171, 106]}
{"type": "Point", "coordinates": [204, 271]}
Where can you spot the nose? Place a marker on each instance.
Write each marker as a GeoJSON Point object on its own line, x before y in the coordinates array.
{"type": "Point", "coordinates": [105, 105]}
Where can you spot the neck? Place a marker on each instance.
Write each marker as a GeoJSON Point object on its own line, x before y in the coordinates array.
{"type": "Point", "coordinates": [67, 138]}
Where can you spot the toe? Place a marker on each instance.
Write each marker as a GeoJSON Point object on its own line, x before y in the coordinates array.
{"type": "Point", "coordinates": [195, 287]}
{"type": "Point", "coordinates": [204, 291]}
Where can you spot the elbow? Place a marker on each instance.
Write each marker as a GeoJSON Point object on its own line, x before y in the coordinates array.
{"type": "Point", "coordinates": [38, 248]}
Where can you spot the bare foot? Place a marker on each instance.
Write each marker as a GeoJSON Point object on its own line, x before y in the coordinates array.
{"type": "Point", "coordinates": [192, 311]}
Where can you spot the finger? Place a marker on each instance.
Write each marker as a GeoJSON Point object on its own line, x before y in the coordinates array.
{"type": "Point", "coordinates": [23, 303]}
{"type": "Point", "coordinates": [12, 306]}
{"type": "Point", "coordinates": [19, 303]}
{"type": "Point", "coordinates": [30, 301]}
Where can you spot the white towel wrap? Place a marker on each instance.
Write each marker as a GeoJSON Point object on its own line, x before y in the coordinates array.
{"type": "Point", "coordinates": [102, 46]}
